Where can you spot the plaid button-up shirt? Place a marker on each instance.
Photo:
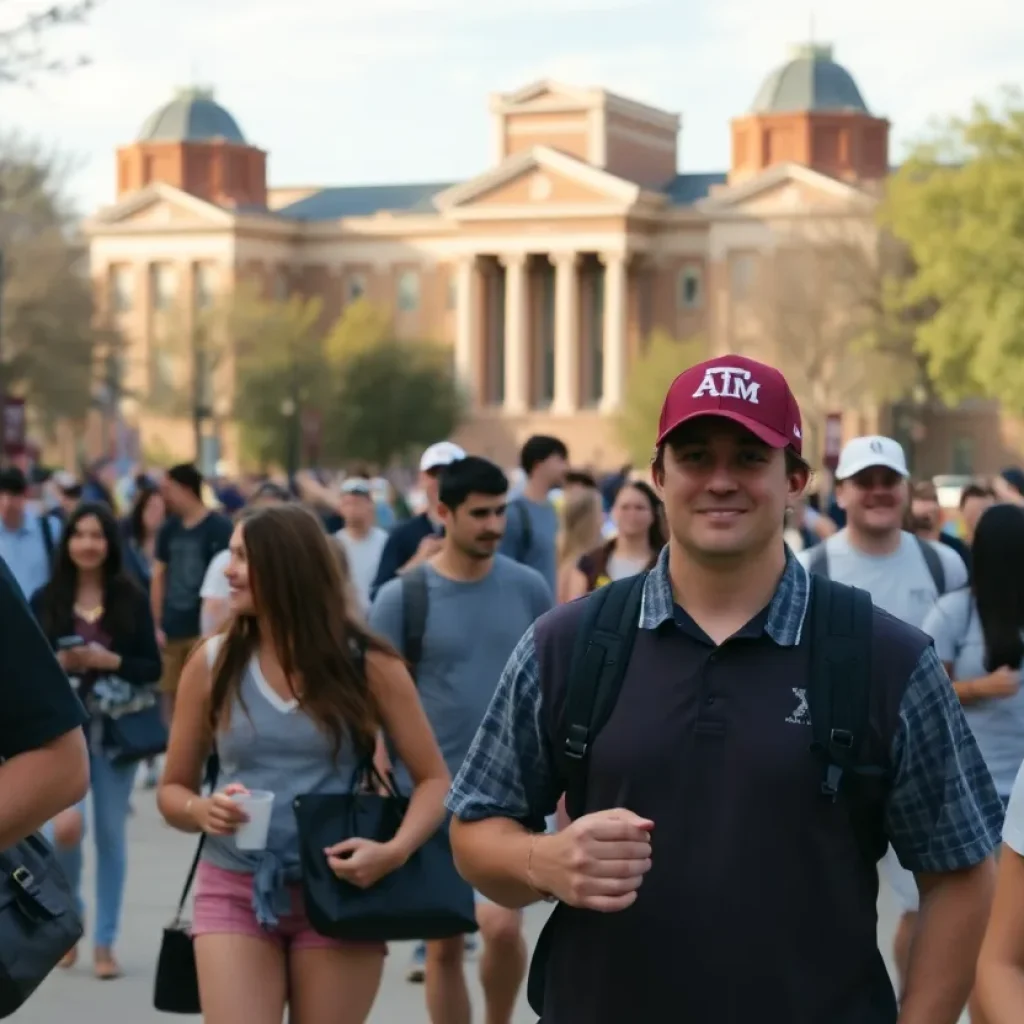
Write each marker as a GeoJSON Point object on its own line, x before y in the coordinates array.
{"type": "Point", "coordinates": [943, 812]}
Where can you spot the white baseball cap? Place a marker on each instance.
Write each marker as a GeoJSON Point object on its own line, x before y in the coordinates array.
{"type": "Point", "coordinates": [864, 452]}
{"type": "Point", "coordinates": [444, 453]}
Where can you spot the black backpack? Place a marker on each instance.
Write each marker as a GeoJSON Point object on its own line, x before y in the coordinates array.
{"type": "Point", "coordinates": [817, 564]}
{"type": "Point", "coordinates": [415, 603]}
{"type": "Point", "coordinates": [838, 691]}
{"type": "Point", "coordinates": [838, 695]}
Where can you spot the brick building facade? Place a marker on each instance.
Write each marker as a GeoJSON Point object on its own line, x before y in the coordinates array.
{"type": "Point", "coordinates": [545, 273]}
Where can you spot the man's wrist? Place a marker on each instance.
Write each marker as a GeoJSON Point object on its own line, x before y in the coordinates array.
{"type": "Point", "coordinates": [538, 872]}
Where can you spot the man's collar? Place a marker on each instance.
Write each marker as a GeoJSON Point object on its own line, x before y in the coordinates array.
{"type": "Point", "coordinates": [786, 613]}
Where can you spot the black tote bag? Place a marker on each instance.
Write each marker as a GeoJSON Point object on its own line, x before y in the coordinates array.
{"type": "Point", "coordinates": [424, 899]}
{"type": "Point", "coordinates": [176, 986]}
{"type": "Point", "coordinates": [39, 922]}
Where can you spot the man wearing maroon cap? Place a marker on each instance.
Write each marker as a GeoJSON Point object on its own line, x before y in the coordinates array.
{"type": "Point", "coordinates": [710, 874]}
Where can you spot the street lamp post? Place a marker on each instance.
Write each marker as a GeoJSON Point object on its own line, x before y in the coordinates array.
{"type": "Point", "coordinates": [290, 412]}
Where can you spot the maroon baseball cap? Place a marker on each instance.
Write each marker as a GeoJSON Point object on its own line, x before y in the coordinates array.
{"type": "Point", "coordinates": [736, 388]}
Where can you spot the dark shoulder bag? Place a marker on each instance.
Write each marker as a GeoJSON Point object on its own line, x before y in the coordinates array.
{"type": "Point", "coordinates": [176, 986]}
{"type": "Point", "coordinates": [38, 920]}
{"type": "Point", "coordinates": [424, 899]}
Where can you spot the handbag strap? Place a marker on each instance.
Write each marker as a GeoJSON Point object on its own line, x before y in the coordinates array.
{"type": "Point", "coordinates": [210, 779]}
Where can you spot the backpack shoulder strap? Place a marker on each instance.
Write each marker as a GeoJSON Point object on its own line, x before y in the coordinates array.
{"type": "Point", "coordinates": [839, 684]}
{"type": "Point", "coordinates": [525, 527]}
{"type": "Point", "coordinates": [817, 564]}
{"type": "Point", "coordinates": [934, 562]}
{"type": "Point", "coordinates": [600, 658]}
{"type": "Point", "coordinates": [415, 601]}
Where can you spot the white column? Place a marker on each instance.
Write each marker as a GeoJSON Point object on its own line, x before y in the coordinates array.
{"type": "Point", "coordinates": [615, 319]}
{"type": "Point", "coordinates": [567, 333]}
{"type": "Point", "coordinates": [516, 348]}
{"type": "Point", "coordinates": [467, 340]}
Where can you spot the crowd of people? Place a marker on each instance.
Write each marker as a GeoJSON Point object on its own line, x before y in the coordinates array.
{"type": "Point", "coordinates": [653, 700]}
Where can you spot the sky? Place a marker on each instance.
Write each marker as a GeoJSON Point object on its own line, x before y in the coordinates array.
{"type": "Point", "coordinates": [367, 91]}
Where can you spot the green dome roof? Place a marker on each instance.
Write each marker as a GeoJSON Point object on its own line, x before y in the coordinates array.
{"type": "Point", "coordinates": [192, 116]}
{"type": "Point", "coordinates": [810, 81]}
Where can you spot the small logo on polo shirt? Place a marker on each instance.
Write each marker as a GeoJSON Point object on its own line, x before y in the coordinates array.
{"type": "Point", "coordinates": [802, 714]}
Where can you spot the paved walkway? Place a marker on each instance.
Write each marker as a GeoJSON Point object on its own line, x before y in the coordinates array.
{"type": "Point", "coordinates": [157, 863]}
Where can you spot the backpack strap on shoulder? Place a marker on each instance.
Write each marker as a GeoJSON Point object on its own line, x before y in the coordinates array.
{"type": "Point", "coordinates": [46, 528]}
{"type": "Point", "coordinates": [933, 560]}
{"type": "Point", "coordinates": [600, 657]}
{"type": "Point", "coordinates": [839, 686]}
{"type": "Point", "coordinates": [415, 601]}
{"type": "Point", "coordinates": [526, 528]}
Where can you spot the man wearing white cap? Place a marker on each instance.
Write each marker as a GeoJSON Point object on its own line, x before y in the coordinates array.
{"type": "Point", "coordinates": [419, 538]}
{"type": "Point", "coordinates": [904, 575]}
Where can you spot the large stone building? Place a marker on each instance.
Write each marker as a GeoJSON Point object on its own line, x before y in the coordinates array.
{"type": "Point", "coordinates": [545, 273]}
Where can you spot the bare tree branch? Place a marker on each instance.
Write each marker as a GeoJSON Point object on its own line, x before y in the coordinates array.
{"type": "Point", "coordinates": [23, 52]}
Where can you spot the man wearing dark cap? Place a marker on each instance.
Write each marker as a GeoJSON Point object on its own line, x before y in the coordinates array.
{"type": "Point", "coordinates": [717, 871]}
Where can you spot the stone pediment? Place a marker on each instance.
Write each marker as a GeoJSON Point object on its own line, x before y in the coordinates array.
{"type": "Point", "coordinates": [538, 182]}
{"type": "Point", "coordinates": [784, 191]}
{"type": "Point", "coordinates": [160, 207]}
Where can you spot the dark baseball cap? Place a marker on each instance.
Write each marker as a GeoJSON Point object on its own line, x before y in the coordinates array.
{"type": "Point", "coordinates": [735, 388]}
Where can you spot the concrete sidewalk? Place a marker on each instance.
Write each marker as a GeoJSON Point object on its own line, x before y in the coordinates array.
{"type": "Point", "coordinates": [158, 860]}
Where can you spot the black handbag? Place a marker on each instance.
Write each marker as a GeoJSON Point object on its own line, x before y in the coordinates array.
{"type": "Point", "coordinates": [135, 736]}
{"type": "Point", "coordinates": [424, 899]}
{"type": "Point", "coordinates": [39, 920]}
{"type": "Point", "coordinates": [176, 986]}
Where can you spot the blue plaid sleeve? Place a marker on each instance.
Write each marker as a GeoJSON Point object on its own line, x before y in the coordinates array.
{"type": "Point", "coordinates": [508, 771]}
{"type": "Point", "coordinates": [943, 812]}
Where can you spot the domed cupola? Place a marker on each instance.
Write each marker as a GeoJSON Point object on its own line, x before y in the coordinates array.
{"type": "Point", "coordinates": [810, 111]}
{"type": "Point", "coordinates": [195, 144]}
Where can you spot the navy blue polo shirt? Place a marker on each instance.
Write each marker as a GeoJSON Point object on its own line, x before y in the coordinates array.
{"type": "Point", "coordinates": [760, 901]}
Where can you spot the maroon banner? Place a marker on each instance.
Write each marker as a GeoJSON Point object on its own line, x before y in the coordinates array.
{"type": "Point", "coordinates": [833, 439]}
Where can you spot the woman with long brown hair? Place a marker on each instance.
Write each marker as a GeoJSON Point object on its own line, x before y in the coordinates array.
{"type": "Point", "coordinates": [293, 694]}
{"type": "Point", "coordinates": [582, 517]}
{"type": "Point", "coordinates": [639, 538]}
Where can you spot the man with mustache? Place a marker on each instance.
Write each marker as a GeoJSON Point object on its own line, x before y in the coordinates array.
{"type": "Point", "coordinates": [478, 603]}
{"type": "Point", "coordinates": [905, 576]}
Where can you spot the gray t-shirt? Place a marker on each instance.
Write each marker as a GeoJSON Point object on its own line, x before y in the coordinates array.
{"type": "Point", "coordinates": [998, 725]}
{"type": "Point", "coordinates": [899, 583]}
{"type": "Point", "coordinates": [531, 537]}
{"type": "Point", "coordinates": [363, 559]}
{"type": "Point", "coordinates": [471, 630]}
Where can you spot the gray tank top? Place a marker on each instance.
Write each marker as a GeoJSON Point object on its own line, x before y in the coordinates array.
{"type": "Point", "coordinates": [271, 744]}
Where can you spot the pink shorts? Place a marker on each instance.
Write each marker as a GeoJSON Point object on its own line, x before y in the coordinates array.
{"type": "Point", "coordinates": [223, 906]}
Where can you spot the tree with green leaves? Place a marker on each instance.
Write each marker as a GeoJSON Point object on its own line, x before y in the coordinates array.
{"type": "Point", "coordinates": [393, 399]}
{"type": "Point", "coordinates": [664, 358]}
{"type": "Point", "coordinates": [958, 206]}
{"type": "Point", "coordinates": [281, 369]}
{"type": "Point", "coordinates": [48, 338]}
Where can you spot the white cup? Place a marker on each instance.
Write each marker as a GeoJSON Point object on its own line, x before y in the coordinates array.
{"type": "Point", "coordinates": [257, 803]}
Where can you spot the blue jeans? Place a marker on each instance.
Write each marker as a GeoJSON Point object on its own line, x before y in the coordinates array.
{"type": "Point", "coordinates": [111, 791]}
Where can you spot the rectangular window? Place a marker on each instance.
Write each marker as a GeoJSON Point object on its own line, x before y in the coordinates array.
{"type": "Point", "coordinates": [691, 288]}
{"type": "Point", "coordinates": [962, 463]}
{"type": "Point", "coordinates": [164, 286]}
{"type": "Point", "coordinates": [408, 291]}
{"type": "Point", "coordinates": [356, 286]}
{"type": "Point", "coordinates": [204, 285]}
{"type": "Point", "coordinates": [495, 358]}
{"type": "Point", "coordinates": [122, 289]}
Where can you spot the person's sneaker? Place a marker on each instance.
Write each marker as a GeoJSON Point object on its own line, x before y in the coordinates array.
{"type": "Point", "coordinates": [417, 972]}
{"type": "Point", "coordinates": [472, 946]}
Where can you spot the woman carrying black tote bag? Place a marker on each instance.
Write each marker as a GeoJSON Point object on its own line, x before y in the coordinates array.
{"type": "Point", "coordinates": [423, 899]}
